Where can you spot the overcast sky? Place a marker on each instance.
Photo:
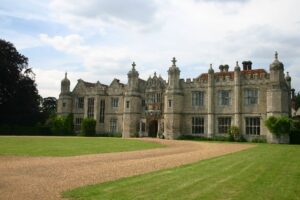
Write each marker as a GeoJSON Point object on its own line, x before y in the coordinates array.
{"type": "Point", "coordinates": [99, 39]}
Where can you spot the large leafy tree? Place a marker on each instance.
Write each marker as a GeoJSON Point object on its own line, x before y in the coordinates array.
{"type": "Point", "coordinates": [49, 105]}
{"type": "Point", "coordinates": [19, 98]}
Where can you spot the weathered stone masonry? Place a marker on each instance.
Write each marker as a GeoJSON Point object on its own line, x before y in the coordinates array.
{"type": "Point", "coordinates": [204, 106]}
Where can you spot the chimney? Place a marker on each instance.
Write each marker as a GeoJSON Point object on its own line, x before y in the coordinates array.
{"type": "Point", "coordinates": [247, 65]}
{"type": "Point", "coordinates": [226, 67]}
{"type": "Point", "coordinates": [221, 67]}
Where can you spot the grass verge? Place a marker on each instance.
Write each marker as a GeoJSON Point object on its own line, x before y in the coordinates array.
{"type": "Point", "coordinates": [68, 146]}
{"type": "Point", "coordinates": [263, 172]}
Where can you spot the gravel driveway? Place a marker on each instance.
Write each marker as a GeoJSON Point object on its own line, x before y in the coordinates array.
{"type": "Point", "coordinates": [46, 177]}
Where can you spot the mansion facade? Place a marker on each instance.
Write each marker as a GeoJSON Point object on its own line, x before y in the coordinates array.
{"type": "Point", "coordinates": [203, 106]}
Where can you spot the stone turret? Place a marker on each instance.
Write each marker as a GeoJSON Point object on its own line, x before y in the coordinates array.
{"type": "Point", "coordinates": [64, 104]}
{"type": "Point", "coordinates": [133, 79]}
{"type": "Point", "coordinates": [276, 70]}
{"type": "Point", "coordinates": [278, 100]}
{"type": "Point", "coordinates": [210, 102]}
{"type": "Point", "coordinates": [173, 103]}
{"type": "Point", "coordinates": [174, 74]}
{"type": "Point", "coordinates": [132, 104]}
{"type": "Point", "coordinates": [65, 85]}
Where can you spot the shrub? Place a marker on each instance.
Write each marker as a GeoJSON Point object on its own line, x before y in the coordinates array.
{"type": "Point", "coordinates": [61, 125]}
{"type": "Point", "coordinates": [88, 127]}
{"type": "Point", "coordinates": [233, 133]}
{"type": "Point", "coordinates": [279, 125]}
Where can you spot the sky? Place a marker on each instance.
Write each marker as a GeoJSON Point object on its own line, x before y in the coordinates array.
{"type": "Point", "coordinates": [97, 40]}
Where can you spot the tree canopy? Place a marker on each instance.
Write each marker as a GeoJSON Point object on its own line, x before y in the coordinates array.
{"type": "Point", "coordinates": [19, 98]}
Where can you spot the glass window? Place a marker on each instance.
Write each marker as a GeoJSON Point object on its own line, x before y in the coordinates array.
{"type": "Point", "coordinates": [102, 111]}
{"type": "Point", "coordinates": [224, 124]}
{"type": "Point", "coordinates": [113, 125]}
{"type": "Point", "coordinates": [251, 96]}
{"type": "Point", "coordinates": [114, 102]}
{"type": "Point", "coordinates": [253, 125]}
{"type": "Point", "coordinates": [197, 125]}
{"type": "Point", "coordinates": [170, 103]}
{"type": "Point", "coordinates": [90, 110]}
{"type": "Point", "coordinates": [224, 98]}
{"type": "Point", "coordinates": [80, 102]}
{"type": "Point", "coordinates": [197, 98]}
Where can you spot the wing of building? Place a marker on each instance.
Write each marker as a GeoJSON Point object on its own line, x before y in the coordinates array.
{"type": "Point", "coordinates": [204, 106]}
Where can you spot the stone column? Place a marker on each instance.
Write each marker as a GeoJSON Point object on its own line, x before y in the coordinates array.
{"type": "Point", "coordinates": [210, 102]}
{"type": "Point", "coordinates": [237, 96]}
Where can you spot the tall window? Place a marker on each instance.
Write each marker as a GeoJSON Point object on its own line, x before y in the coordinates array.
{"type": "Point", "coordinates": [224, 124]}
{"type": "Point", "coordinates": [224, 98]}
{"type": "Point", "coordinates": [127, 104]}
{"type": "Point", "coordinates": [154, 97]}
{"type": "Point", "coordinates": [170, 103]}
{"type": "Point", "coordinates": [197, 125]}
{"type": "Point", "coordinates": [253, 125]}
{"type": "Point", "coordinates": [113, 125]}
{"type": "Point", "coordinates": [114, 102]}
{"type": "Point", "coordinates": [90, 110]}
{"type": "Point", "coordinates": [102, 110]}
{"type": "Point", "coordinates": [80, 102]}
{"type": "Point", "coordinates": [251, 96]}
{"type": "Point", "coordinates": [198, 98]}
{"type": "Point", "coordinates": [78, 122]}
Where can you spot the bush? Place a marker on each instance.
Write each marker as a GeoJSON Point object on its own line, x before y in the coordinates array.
{"type": "Point", "coordinates": [88, 127]}
{"type": "Point", "coordinates": [61, 125]}
{"type": "Point", "coordinates": [279, 125]}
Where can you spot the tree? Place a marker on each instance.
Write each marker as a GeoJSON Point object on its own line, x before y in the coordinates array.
{"type": "Point", "coordinates": [49, 105]}
{"type": "Point", "coordinates": [297, 100]}
{"type": "Point", "coordinates": [19, 98]}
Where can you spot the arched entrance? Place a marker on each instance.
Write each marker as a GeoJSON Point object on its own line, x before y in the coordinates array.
{"type": "Point", "coordinates": [153, 128]}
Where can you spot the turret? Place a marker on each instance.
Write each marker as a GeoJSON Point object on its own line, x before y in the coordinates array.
{"type": "Point", "coordinates": [65, 85]}
{"type": "Point", "coordinates": [173, 103]}
{"type": "Point", "coordinates": [64, 104]}
{"type": "Point", "coordinates": [174, 75]}
{"type": "Point", "coordinates": [276, 70]}
{"type": "Point", "coordinates": [132, 104]}
{"type": "Point", "coordinates": [133, 78]}
{"type": "Point", "coordinates": [278, 99]}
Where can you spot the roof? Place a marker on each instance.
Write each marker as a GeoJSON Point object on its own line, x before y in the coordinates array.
{"type": "Point", "coordinates": [231, 73]}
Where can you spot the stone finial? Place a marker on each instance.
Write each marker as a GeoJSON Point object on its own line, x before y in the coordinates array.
{"type": "Point", "coordinates": [133, 65]}
{"type": "Point", "coordinates": [211, 70]}
{"type": "Point", "coordinates": [276, 55]}
{"type": "Point", "coordinates": [287, 77]}
{"type": "Point", "coordinates": [237, 67]}
{"type": "Point", "coordinates": [66, 74]}
{"type": "Point", "coordinates": [174, 61]}
{"type": "Point", "coordinates": [154, 74]}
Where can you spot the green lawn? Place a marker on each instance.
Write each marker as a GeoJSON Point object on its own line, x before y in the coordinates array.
{"type": "Point", "coordinates": [263, 172]}
{"type": "Point", "coordinates": [68, 146]}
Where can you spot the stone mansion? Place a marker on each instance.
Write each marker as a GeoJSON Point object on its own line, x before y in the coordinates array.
{"type": "Point", "coordinates": [206, 105]}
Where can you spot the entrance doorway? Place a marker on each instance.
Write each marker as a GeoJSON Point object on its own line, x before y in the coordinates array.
{"type": "Point", "coordinates": [153, 128]}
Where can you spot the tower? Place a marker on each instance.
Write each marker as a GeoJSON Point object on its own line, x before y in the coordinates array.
{"type": "Point", "coordinates": [64, 103]}
{"type": "Point", "coordinates": [278, 102]}
{"type": "Point", "coordinates": [173, 103]}
{"type": "Point", "coordinates": [132, 104]}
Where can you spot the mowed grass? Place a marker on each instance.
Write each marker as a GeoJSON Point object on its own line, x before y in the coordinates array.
{"type": "Point", "coordinates": [68, 146]}
{"type": "Point", "coordinates": [263, 172]}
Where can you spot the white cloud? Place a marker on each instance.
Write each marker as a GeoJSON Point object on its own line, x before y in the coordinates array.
{"type": "Point", "coordinates": [196, 32]}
